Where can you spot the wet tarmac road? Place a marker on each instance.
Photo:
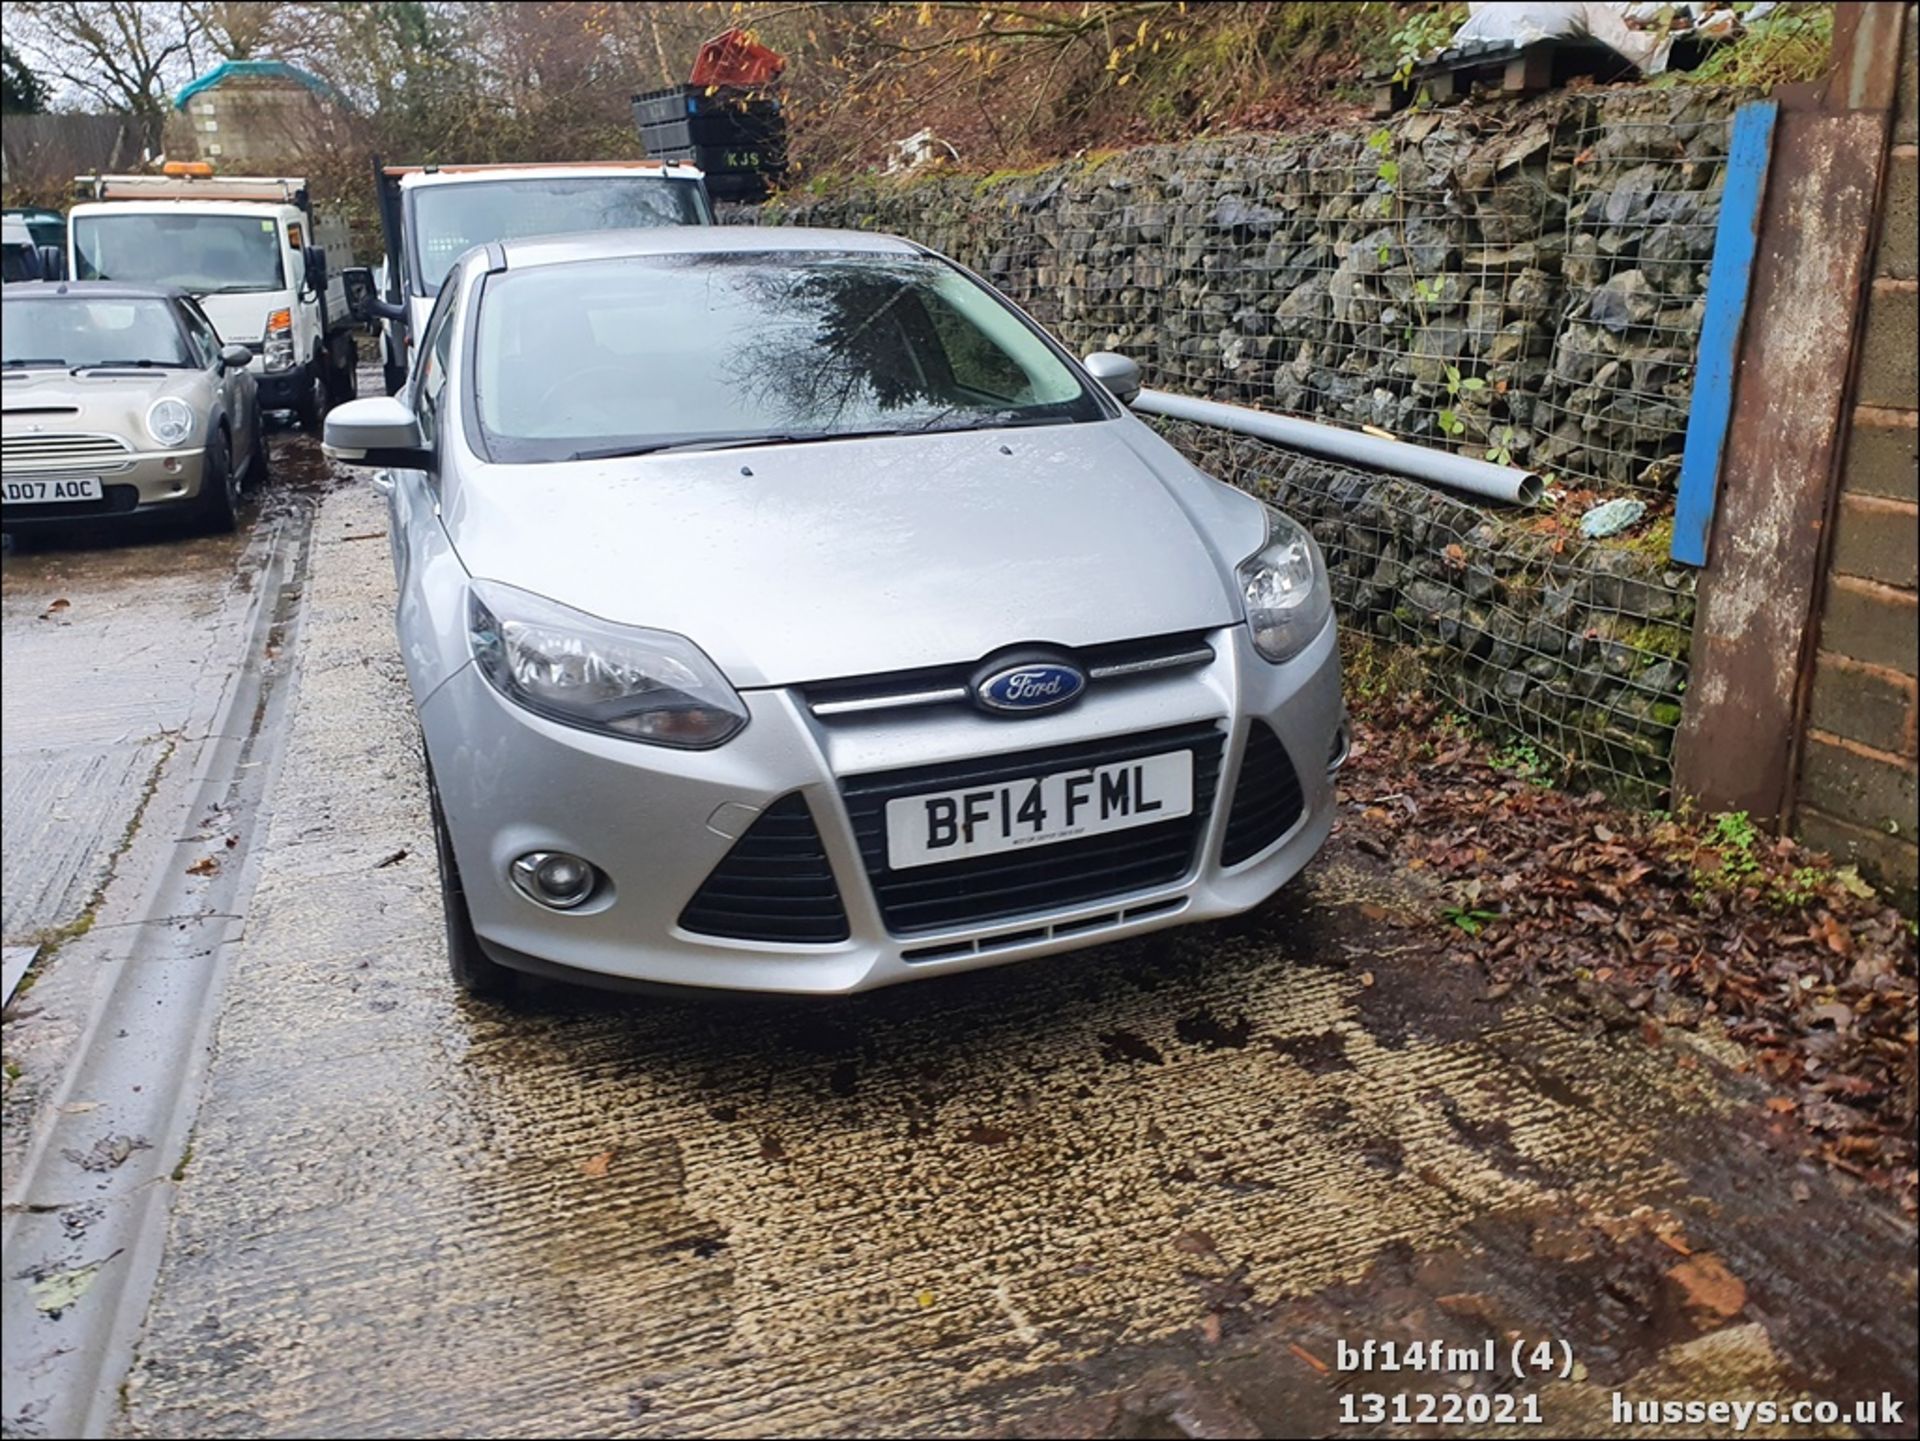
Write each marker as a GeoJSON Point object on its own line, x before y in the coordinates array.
{"type": "Point", "coordinates": [1142, 1191]}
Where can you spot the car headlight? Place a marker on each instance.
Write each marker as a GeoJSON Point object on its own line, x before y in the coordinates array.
{"type": "Point", "coordinates": [1284, 584]}
{"type": "Point", "coordinates": [579, 670]}
{"type": "Point", "coordinates": [170, 421]}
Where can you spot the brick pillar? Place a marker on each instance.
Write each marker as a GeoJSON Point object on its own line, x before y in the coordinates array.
{"type": "Point", "coordinates": [1859, 757]}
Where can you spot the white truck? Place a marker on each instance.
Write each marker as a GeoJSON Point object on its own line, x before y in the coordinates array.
{"type": "Point", "coordinates": [431, 214]}
{"type": "Point", "coordinates": [263, 263]}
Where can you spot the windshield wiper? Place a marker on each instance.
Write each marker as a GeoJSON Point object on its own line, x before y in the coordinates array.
{"type": "Point", "coordinates": [977, 420]}
{"type": "Point", "coordinates": [114, 365]}
{"type": "Point", "coordinates": [22, 363]}
{"type": "Point", "coordinates": [714, 442]}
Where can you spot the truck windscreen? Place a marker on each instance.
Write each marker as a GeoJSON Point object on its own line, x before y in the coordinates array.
{"type": "Point", "coordinates": [451, 219]}
{"type": "Point", "coordinates": [204, 254]}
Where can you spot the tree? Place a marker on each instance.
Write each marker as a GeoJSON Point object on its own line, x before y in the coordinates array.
{"type": "Point", "coordinates": [21, 92]}
{"type": "Point", "coordinates": [121, 54]}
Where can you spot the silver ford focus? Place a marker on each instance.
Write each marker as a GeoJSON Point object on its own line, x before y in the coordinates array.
{"type": "Point", "coordinates": [785, 611]}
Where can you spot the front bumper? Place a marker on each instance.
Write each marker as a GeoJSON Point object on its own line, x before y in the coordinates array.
{"type": "Point", "coordinates": [658, 821]}
{"type": "Point", "coordinates": [281, 389]}
{"type": "Point", "coordinates": [147, 480]}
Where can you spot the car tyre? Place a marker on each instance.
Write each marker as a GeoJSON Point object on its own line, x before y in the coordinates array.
{"type": "Point", "coordinates": [219, 499]}
{"type": "Point", "coordinates": [473, 971]}
{"type": "Point", "coordinates": [311, 412]}
{"type": "Point", "coordinates": [258, 466]}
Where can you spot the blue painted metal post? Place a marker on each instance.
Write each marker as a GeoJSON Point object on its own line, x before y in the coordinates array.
{"type": "Point", "coordinates": [1734, 246]}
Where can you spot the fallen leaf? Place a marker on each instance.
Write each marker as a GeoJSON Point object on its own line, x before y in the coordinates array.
{"type": "Point", "coordinates": [981, 1134]}
{"type": "Point", "coordinates": [1195, 1243]}
{"type": "Point", "coordinates": [1210, 1328]}
{"type": "Point", "coordinates": [1782, 1105]}
{"type": "Point", "coordinates": [1366, 978]}
{"type": "Point", "coordinates": [1305, 1355]}
{"type": "Point", "coordinates": [205, 866]}
{"type": "Point", "coordinates": [925, 1298]}
{"type": "Point", "coordinates": [55, 608]}
{"type": "Point", "coordinates": [595, 1167]}
{"type": "Point", "coordinates": [1710, 1285]}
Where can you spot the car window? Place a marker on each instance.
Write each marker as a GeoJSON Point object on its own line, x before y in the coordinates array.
{"type": "Point", "coordinates": [643, 351]}
{"type": "Point", "coordinates": [435, 357]}
{"type": "Point", "coordinates": [75, 331]}
{"type": "Point", "coordinates": [200, 332]}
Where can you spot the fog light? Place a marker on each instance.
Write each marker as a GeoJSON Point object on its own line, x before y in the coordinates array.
{"type": "Point", "coordinates": [1342, 746]}
{"type": "Point", "coordinates": [554, 878]}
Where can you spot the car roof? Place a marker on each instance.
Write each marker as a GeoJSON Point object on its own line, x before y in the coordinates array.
{"type": "Point", "coordinates": [90, 290]}
{"type": "Point", "coordinates": [698, 240]}
{"type": "Point", "coordinates": [414, 176]}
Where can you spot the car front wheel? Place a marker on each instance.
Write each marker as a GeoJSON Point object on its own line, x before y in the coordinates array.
{"type": "Point", "coordinates": [473, 970]}
{"type": "Point", "coordinates": [219, 498]}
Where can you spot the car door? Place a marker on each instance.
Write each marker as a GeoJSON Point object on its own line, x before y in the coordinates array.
{"type": "Point", "coordinates": [431, 581]}
{"type": "Point", "coordinates": [233, 389]}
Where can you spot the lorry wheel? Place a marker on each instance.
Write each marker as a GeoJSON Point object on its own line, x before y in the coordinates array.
{"type": "Point", "coordinates": [344, 374]}
{"type": "Point", "coordinates": [219, 500]}
{"type": "Point", "coordinates": [311, 411]}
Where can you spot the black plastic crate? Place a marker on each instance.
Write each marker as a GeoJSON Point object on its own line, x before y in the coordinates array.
{"type": "Point", "coordinates": [722, 162]}
{"type": "Point", "coordinates": [685, 102]}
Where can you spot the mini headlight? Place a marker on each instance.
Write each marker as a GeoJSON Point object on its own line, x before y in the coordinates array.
{"type": "Point", "coordinates": [1284, 584]}
{"type": "Point", "coordinates": [170, 421]}
{"type": "Point", "coordinates": [579, 670]}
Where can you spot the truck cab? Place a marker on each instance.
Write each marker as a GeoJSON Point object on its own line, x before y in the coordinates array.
{"type": "Point", "coordinates": [431, 214]}
{"type": "Point", "coordinates": [264, 265]}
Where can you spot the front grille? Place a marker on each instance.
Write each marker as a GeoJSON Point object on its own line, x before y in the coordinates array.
{"type": "Point", "coordinates": [776, 884]}
{"type": "Point", "coordinates": [63, 452]}
{"type": "Point", "coordinates": [1041, 878]}
{"type": "Point", "coordinates": [1266, 799]}
{"type": "Point", "coordinates": [1106, 664]}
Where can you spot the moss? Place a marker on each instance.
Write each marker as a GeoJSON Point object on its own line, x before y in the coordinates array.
{"type": "Point", "coordinates": [1655, 542]}
{"type": "Point", "coordinates": [1666, 712]}
{"type": "Point", "coordinates": [1656, 639]}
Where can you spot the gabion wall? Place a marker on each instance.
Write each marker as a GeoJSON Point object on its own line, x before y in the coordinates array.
{"type": "Point", "coordinates": [1522, 281]}
{"type": "Point", "coordinates": [1578, 650]}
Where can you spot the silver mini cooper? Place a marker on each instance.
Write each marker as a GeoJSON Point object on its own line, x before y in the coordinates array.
{"type": "Point", "coordinates": [785, 611]}
{"type": "Point", "coordinates": [121, 399]}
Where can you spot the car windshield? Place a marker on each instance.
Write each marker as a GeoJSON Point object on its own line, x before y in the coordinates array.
{"type": "Point", "coordinates": [605, 356]}
{"type": "Point", "coordinates": [205, 254]}
{"type": "Point", "coordinates": [74, 331]}
{"type": "Point", "coordinates": [450, 219]}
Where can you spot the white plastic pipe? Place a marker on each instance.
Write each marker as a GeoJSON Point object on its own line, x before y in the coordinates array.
{"type": "Point", "coordinates": [1437, 467]}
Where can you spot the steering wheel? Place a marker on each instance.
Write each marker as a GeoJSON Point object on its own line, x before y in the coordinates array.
{"type": "Point", "coordinates": [578, 377]}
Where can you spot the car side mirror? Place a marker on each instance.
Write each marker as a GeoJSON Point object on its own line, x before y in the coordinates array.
{"type": "Point", "coordinates": [381, 432]}
{"type": "Point", "coordinates": [1117, 373]}
{"type": "Point", "coordinates": [235, 357]}
{"type": "Point", "coordinates": [357, 282]}
{"type": "Point", "coordinates": [365, 303]}
{"type": "Point", "coordinates": [316, 266]}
